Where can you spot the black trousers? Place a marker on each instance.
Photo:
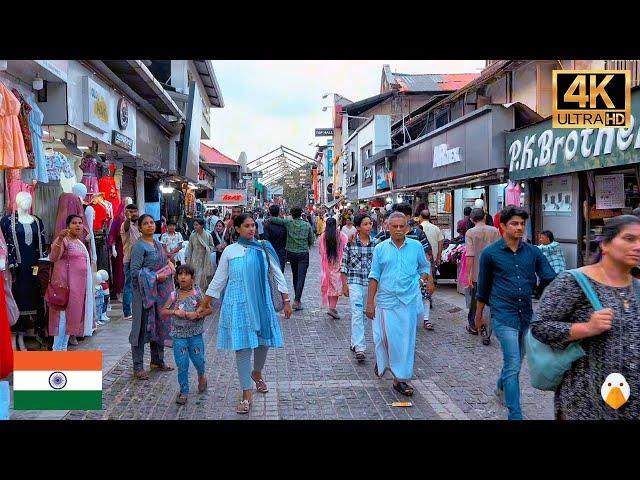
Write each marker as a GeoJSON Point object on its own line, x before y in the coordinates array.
{"type": "Point", "coordinates": [299, 265]}
{"type": "Point", "coordinates": [283, 260]}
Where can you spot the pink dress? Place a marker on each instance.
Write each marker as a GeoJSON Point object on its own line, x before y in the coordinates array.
{"type": "Point", "coordinates": [330, 280]}
{"type": "Point", "coordinates": [13, 153]}
{"type": "Point", "coordinates": [89, 167]}
{"type": "Point", "coordinates": [73, 253]}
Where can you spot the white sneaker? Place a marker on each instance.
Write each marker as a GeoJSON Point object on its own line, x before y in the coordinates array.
{"type": "Point", "coordinates": [130, 317]}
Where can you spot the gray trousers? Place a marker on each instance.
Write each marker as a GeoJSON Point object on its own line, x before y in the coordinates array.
{"type": "Point", "coordinates": [137, 353]}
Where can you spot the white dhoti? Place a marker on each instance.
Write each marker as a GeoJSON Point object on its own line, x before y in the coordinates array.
{"type": "Point", "coordinates": [394, 334]}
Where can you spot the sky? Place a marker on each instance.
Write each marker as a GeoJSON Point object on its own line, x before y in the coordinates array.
{"type": "Point", "coordinates": [273, 103]}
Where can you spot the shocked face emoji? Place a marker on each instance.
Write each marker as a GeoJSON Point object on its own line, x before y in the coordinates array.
{"type": "Point", "coordinates": [615, 391]}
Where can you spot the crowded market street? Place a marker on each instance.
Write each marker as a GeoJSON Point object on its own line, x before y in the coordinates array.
{"type": "Point", "coordinates": [315, 377]}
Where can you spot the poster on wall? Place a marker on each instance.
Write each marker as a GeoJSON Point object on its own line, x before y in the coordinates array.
{"type": "Point", "coordinates": [557, 196]}
{"type": "Point", "coordinates": [609, 191]}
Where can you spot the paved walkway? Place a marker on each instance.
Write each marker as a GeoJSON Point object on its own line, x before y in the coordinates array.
{"type": "Point", "coordinates": [315, 375]}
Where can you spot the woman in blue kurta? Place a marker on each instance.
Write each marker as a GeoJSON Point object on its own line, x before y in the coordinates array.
{"type": "Point", "coordinates": [248, 320]}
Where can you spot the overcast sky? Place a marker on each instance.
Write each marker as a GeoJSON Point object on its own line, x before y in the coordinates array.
{"type": "Point", "coordinates": [273, 103]}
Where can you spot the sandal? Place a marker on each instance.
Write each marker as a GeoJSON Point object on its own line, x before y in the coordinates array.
{"type": "Point", "coordinates": [261, 385]}
{"type": "Point", "coordinates": [181, 399]}
{"type": "Point", "coordinates": [243, 407]}
{"type": "Point", "coordinates": [427, 325]}
{"type": "Point", "coordinates": [141, 375]}
{"type": "Point", "coordinates": [404, 388]}
{"type": "Point", "coordinates": [360, 356]}
{"type": "Point", "coordinates": [470, 330]}
{"type": "Point", "coordinates": [202, 386]}
{"type": "Point", "coordinates": [162, 367]}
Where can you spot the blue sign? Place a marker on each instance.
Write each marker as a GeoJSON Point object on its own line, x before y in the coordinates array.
{"type": "Point", "coordinates": [330, 160]}
{"type": "Point", "coordinates": [4, 400]}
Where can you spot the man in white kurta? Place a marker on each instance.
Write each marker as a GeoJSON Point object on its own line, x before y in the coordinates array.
{"type": "Point", "coordinates": [394, 301]}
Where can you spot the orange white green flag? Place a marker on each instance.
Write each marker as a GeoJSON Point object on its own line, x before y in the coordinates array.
{"type": "Point", "coordinates": [57, 381]}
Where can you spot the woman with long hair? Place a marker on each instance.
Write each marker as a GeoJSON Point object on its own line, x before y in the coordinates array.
{"type": "Point", "coordinates": [597, 385]}
{"type": "Point", "coordinates": [248, 321]}
{"type": "Point", "coordinates": [332, 243]}
{"type": "Point", "coordinates": [152, 281]}
{"type": "Point", "coordinates": [218, 234]}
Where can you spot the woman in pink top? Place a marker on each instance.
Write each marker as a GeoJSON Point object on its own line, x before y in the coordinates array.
{"type": "Point", "coordinates": [332, 243]}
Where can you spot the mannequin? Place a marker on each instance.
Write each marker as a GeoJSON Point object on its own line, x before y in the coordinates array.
{"type": "Point", "coordinates": [80, 190]}
{"type": "Point", "coordinates": [24, 234]}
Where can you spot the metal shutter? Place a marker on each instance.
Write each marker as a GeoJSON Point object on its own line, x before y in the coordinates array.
{"type": "Point", "coordinates": [128, 188]}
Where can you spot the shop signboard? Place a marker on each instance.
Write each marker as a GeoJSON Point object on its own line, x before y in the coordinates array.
{"type": "Point", "coordinates": [541, 151]}
{"type": "Point", "coordinates": [324, 132]}
{"type": "Point", "coordinates": [247, 176]}
{"type": "Point", "coordinates": [59, 68]}
{"type": "Point", "coordinates": [96, 106]}
{"type": "Point", "coordinates": [557, 196]}
{"type": "Point", "coordinates": [609, 191]}
{"type": "Point", "coordinates": [367, 175]}
{"type": "Point", "coordinates": [224, 196]}
{"type": "Point", "coordinates": [120, 140]}
{"type": "Point", "coordinates": [443, 155]}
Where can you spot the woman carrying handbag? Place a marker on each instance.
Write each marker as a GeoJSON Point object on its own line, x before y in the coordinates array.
{"type": "Point", "coordinates": [597, 385]}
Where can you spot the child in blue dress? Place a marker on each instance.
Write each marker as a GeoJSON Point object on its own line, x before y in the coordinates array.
{"type": "Point", "coordinates": [187, 329]}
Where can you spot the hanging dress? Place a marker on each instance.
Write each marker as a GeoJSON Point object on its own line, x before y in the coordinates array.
{"type": "Point", "coordinates": [89, 167]}
{"type": "Point", "coordinates": [13, 153]}
{"type": "Point", "coordinates": [48, 194]}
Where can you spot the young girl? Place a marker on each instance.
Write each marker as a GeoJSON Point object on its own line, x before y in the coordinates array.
{"type": "Point", "coordinates": [187, 330]}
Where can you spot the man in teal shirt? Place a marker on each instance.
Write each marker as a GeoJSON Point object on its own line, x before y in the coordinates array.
{"type": "Point", "coordinates": [300, 238]}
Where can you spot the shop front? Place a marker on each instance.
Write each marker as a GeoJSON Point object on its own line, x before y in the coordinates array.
{"type": "Point", "coordinates": [578, 179]}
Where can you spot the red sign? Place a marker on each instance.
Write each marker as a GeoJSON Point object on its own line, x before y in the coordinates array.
{"type": "Point", "coordinates": [231, 198]}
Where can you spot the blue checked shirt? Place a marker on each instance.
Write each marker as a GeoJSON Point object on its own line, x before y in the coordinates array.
{"type": "Point", "coordinates": [356, 261]}
{"type": "Point", "coordinates": [554, 255]}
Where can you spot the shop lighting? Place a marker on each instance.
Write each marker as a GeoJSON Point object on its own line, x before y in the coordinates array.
{"type": "Point", "coordinates": [38, 82]}
{"type": "Point", "coordinates": [389, 199]}
{"type": "Point", "coordinates": [101, 153]}
{"type": "Point", "coordinates": [166, 189]}
{"type": "Point", "coordinates": [83, 148]}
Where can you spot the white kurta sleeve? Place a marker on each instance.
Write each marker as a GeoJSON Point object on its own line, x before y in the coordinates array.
{"type": "Point", "coordinates": [277, 273]}
{"type": "Point", "coordinates": [221, 276]}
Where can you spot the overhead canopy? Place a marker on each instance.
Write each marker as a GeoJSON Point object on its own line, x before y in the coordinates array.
{"type": "Point", "coordinates": [208, 77]}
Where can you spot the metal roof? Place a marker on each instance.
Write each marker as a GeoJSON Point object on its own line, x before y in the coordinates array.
{"type": "Point", "coordinates": [212, 156]}
{"type": "Point", "coordinates": [138, 77]}
{"type": "Point", "coordinates": [433, 82]}
{"type": "Point", "coordinates": [208, 77]}
{"type": "Point", "coordinates": [360, 106]}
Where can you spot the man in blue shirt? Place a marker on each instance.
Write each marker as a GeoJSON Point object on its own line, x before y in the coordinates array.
{"type": "Point", "coordinates": [506, 281]}
{"type": "Point", "coordinates": [398, 267]}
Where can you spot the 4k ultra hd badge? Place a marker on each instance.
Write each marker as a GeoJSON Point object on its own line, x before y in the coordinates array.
{"type": "Point", "coordinates": [591, 98]}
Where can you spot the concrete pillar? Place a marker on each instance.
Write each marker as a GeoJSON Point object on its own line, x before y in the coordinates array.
{"type": "Point", "coordinates": [140, 190]}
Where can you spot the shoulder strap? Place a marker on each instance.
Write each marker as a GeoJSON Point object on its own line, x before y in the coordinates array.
{"type": "Point", "coordinates": [587, 288]}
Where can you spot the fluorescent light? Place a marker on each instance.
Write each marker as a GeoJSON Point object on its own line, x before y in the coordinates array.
{"type": "Point", "coordinates": [99, 153]}
{"type": "Point", "coordinates": [166, 189]}
{"type": "Point", "coordinates": [83, 148]}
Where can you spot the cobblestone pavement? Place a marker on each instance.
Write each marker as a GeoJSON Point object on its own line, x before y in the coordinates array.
{"type": "Point", "coordinates": [316, 377]}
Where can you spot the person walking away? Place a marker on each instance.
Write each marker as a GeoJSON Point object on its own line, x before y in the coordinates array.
{"type": "Point", "coordinates": [260, 225]}
{"type": "Point", "coordinates": [129, 234]}
{"type": "Point", "coordinates": [320, 225]}
{"type": "Point", "coordinates": [608, 336]}
{"type": "Point", "coordinates": [436, 240]}
{"type": "Point", "coordinates": [300, 238]}
{"type": "Point", "coordinates": [213, 220]}
{"type": "Point", "coordinates": [187, 326]}
{"type": "Point", "coordinates": [72, 268]}
{"type": "Point", "coordinates": [552, 251]}
{"type": "Point", "coordinates": [506, 280]}
{"type": "Point", "coordinates": [349, 230]}
{"type": "Point", "coordinates": [201, 247]}
{"type": "Point", "coordinates": [476, 240]}
{"type": "Point", "coordinates": [415, 233]}
{"type": "Point", "coordinates": [355, 269]}
{"type": "Point", "coordinates": [463, 225]}
{"type": "Point", "coordinates": [276, 235]}
{"type": "Point", "coordinates": [248, 321]}
{"type": "Point", "coordinates": [332, 243]}
{"type": "Point", "coordinates": [217, 236]}
{"type": "Point", "coordinates": [394, 301]}
{"type": "Point", "coordinates": [152, 281]}
{"type": "Point", "coordinates": [172, 241]}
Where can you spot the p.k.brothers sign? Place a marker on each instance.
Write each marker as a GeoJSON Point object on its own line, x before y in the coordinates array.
{"type": "Point", "coordinates": [540, 151]}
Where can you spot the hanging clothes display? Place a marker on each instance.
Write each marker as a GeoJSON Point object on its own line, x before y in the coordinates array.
{"type": "Point", "coordinates": [27, 175]}
{"type": "Point", "coordinates": [115, 240]}
{"type": "Point", "coordinates": [15, 185]}
{"type": "Point", "coordinates": [512, 195]}
{"type": "Point", "coordinates": [47, 194]}
{"type": "Point", "coordinates": [190, 203]}
{"type": "Point", "coordinates": [5, 283]}
{"type": "Point", "coordinates": [35, 125]}
{"type": "Point", "coordinates": [89, 167]}
{"type": "Point", "coordinates": [107, 185]}
{"type": "Point", "coordinates": [25, 244]}
{"type": "Point", "coordinates": [13, 153]}
{"type": "Point", "coordinates": [448, 203]}
{"type": "Point", "coordinates": [173, 205]}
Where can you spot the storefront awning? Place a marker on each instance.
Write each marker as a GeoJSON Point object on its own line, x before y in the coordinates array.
{"type": "Point", "coordinates": [380, 156]}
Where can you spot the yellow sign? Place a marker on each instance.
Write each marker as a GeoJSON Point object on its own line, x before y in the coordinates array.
{"type": "Point", "coordinates": [615, 391]}
{"type": "Point", "coordinates": [100, 109]}
{"type": "Point", "coordinates": [591, 98]}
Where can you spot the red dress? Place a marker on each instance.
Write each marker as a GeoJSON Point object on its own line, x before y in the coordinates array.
{"type": "Point", "coordinates": [107, 185]}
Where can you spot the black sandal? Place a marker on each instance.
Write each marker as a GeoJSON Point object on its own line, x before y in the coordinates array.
{"type": "Point", "coordinates": [181, 399]}
{"type": "Point", "coordinates": [360, 356]}
{"type": "Point", "coordinates": [404, 388]}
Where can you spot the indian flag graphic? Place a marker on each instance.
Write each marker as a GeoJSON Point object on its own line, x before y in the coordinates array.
{"type": "Point", "coordinates": [57, 381]}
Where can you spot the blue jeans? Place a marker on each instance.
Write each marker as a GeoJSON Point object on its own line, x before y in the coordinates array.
{"type": "Point", "coordinates": [61, 341]}
{"type": "Point", "coordinates": [183, 349]}
{"type": "Point", "coordinates": [512, 343]}
{"type": "Point", "coordinates": [127, 294]}
{"type": "Point", "coordinates": [357, 295]}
